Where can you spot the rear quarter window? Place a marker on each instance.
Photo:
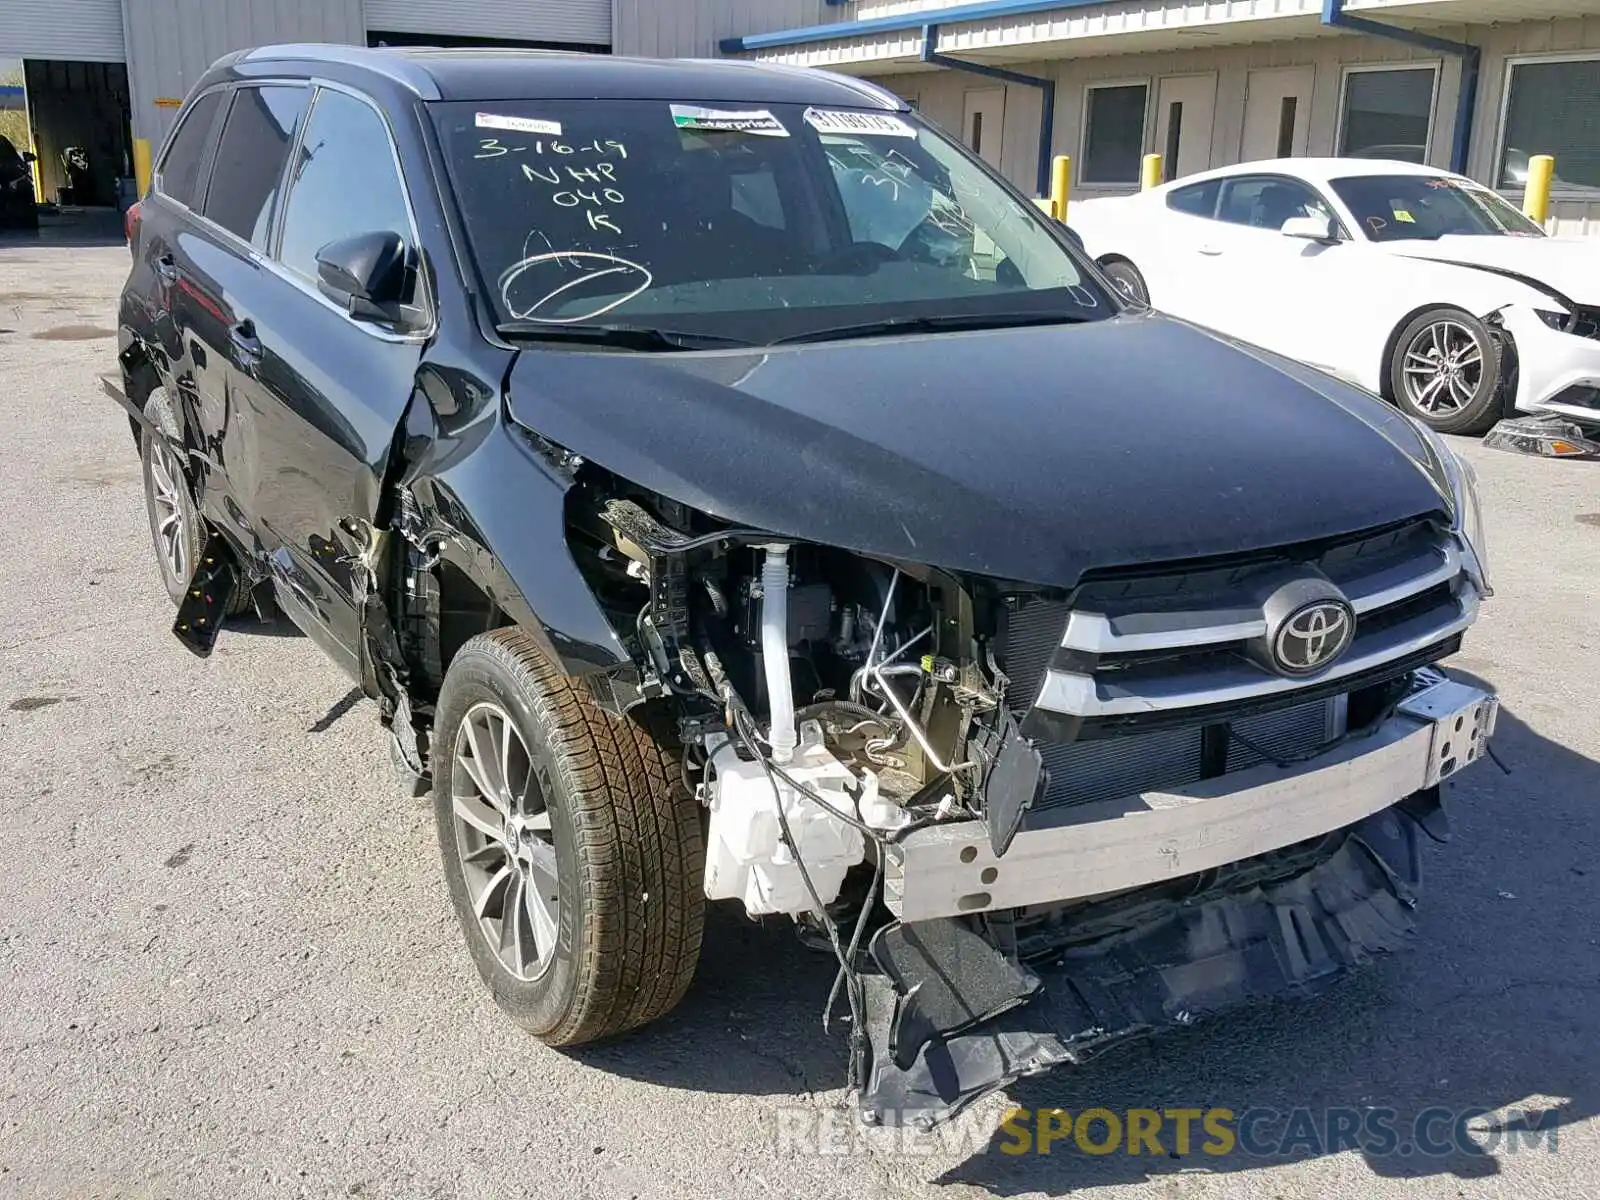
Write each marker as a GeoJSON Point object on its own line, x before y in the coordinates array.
{"type": "Point", "coordinates": [1197, 200]}
{"type": "Point", "coordinates": [178, 176]}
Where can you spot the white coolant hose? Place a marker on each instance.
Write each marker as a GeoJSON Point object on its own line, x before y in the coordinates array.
{"type": "Point", "coordinates": [775, 651]}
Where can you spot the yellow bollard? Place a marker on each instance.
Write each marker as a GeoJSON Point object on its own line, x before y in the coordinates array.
{"type": "Point", "coordinates": [141, 165]}
{"type": "Point", "coordinates": [1152, 175]}
{"type": "Point", "coordinates": [1060, 185]}
{"type": "Point", "coordinates": [1536, 200]}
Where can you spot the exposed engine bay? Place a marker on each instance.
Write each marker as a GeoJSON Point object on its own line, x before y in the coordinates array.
{"type": "Point", "coordinates": [833, 700]}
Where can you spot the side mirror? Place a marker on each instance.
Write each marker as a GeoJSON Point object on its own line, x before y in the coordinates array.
{"type": "Point", "coordinates": [28, 156]}
{"type": "Point", "coordinates": [365, 274]}
{"type": "Point", "coordinates": [1312, 229]}
{"type": "Point", "coordinates": [1077, 238]}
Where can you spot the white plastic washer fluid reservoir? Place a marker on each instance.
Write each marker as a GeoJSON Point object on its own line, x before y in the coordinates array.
{"type": "Point", "coordinates": [745, 855]}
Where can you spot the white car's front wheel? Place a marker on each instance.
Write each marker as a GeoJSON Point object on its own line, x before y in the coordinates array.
{"type": "Point", "coordinates": [1127, 279]}
{"type": "Point", "coordinates": [1445, 371]}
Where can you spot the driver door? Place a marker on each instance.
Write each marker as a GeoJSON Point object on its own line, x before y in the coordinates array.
{"type": "Point", "coordinates": [1265, 288]}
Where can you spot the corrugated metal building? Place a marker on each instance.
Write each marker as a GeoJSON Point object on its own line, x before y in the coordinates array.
{"type": "Point", "coordinates": [1480, 84]}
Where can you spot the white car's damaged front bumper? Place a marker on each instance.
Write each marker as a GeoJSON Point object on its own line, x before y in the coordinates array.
{"type": "Point", "coordinates": [1558, 371]}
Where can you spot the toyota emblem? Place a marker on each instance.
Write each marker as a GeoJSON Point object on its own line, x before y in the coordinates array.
{"type": "Point", "coordinates": [1313, 636]}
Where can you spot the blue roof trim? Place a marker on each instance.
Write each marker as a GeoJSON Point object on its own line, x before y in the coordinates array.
{"type": "Point", "coordinates": [985, 10]}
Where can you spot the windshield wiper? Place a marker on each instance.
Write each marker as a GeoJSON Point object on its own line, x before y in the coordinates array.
{"type": "Point", "coordinates": [628, 337]}
{"type": "Point", "coordinates": [937, 324]}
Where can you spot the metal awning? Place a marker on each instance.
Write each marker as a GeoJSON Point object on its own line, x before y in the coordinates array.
{"type": "Point", "coordinates": [1015, 31]}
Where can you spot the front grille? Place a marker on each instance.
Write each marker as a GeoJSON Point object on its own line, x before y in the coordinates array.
{"type": "Point", "coordinates": [1141, 650]}
{"type": "Point", "coordinates": [1143, 682]}
{"type": "Point", "coordinates": [1083, 772]}
{"type": "Point", "coordinates": [1580, 395]}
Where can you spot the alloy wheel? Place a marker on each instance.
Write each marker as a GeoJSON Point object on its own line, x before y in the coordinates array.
{"type": "Point", "coordinates": [504, 840]}
{"type": "Point", "coordinates": [1443, 368]}
{"type": "Point", "coordinates": [167, 523]}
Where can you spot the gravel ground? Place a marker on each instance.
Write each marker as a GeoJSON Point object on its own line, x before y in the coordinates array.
{"type": "Point", "coordinates": [228, 967]}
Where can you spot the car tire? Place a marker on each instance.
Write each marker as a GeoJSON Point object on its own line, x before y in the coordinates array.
{"type": "Point", "coordinates": [175, 529]}
{"type": "Point", "coordinates": [578, 823]}
{"type": "Point", "coordinates": [1127, 279]}
{"type": "Point", "coordinates": [177, 533]}
{"type": "Point", "coordinates": [1445, 370]}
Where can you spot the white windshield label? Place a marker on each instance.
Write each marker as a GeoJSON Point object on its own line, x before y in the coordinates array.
{"type": "Point", "coordinates": [519, 124]}
{"type": "Point", "coordinates": [716, 120]}
{"type": "Point", "coordinates": [825, 120]}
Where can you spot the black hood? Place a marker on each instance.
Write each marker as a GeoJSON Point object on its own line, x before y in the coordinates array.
{"type": "Point", "coordinates": [1030, 454]}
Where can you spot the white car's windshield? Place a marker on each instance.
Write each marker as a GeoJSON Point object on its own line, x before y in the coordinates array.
{"type": "Point", "coordinates": [754, 223]}
{"type": "Point", "coordinates": [1393, 208]}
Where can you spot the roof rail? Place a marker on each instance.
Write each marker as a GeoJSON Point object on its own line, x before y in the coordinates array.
{"type": "Point", "coordinates": [395, 67]}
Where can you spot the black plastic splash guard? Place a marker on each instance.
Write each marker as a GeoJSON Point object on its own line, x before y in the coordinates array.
{"type": "Point", "coordinates": [951, 1019]}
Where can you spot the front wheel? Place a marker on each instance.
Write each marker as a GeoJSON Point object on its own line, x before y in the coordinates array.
{"type": "Point", "coordinates": [1445, 371]}
{"type": "Point", "coordinates": [572, 852]}
{"type": "Point", "coordinates": [1127, 280]}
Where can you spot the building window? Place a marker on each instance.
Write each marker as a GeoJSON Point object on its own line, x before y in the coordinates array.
{"type": "Point", "coordinates": [1388, 114]}
{"type": "Point", "coordinates": [1553, 107]}
{"type": "Point", "coordinates": [1113, 140]}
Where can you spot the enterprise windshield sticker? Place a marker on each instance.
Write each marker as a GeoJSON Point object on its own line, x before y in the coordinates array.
{"type": "Point", "coordinates": [832, 121]}
{"type": "Point", "coordinates": [715, 120]}
{"type": "Point", "coordinates": [519, 124]}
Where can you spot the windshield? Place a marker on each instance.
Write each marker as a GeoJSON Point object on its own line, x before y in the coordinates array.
{"type": "Point", "coordinates": [1393, 208]}
{"type": "Point", "coordinates": [754, 223]}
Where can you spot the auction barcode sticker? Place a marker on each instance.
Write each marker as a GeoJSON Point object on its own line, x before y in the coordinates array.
{"type": "Point", "coordinates": [827, 120]}
{"type": "Point", "coordinates": [519, 124]}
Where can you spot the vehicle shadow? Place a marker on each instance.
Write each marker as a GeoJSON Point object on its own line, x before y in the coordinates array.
{"type": "Point", "coordinates": [1492, 1008]}
{"type": "Point", "coordinates": [751, 1023]}
{"type": "Point", "coordinates": [69, 230]}
{"type": "Point", "coordinates": [254, 624]}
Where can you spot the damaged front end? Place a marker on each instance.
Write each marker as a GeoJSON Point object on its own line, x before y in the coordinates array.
{"type": "Point", "coordinates": [958, 1007]}
{"type": "Point", "coordinates": [1030, 823]}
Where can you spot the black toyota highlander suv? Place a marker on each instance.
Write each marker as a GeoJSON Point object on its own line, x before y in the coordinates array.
{"type": "Point", "coordinates": [728, 488]}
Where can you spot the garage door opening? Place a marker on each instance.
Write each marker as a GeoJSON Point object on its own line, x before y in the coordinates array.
{"type": "Point", "coordinates": [78, 113]}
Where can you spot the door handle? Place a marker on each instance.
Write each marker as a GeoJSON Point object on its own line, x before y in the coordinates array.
{"type": "Point", "coordinates": [246, 346]}
{"type": "Point", "coordinates": [1211, 251]}
{"type": "Point", "coordinates": [167, 270]}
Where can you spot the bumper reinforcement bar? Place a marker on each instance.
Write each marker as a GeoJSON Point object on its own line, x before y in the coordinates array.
{"type": "Point", "coordinates": [1112, 846]}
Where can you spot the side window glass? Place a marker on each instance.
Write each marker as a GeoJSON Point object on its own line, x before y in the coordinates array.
{"type": "Point", "coordinates": [345, 182]}
{"type": "Point", "coordinates": [179, 176]}
{"type": "Point", "coordinates": [250, 159]}
{"type": "Point", "coordinates": [1197, 200]}
{"type": "Point", "coordinates": [1266, 203]}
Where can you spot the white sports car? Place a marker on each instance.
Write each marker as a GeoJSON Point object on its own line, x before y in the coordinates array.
{"type": "Point", "coordinates": [1420, 285]}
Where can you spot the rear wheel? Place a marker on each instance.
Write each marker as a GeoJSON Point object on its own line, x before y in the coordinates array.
{"type": "Point", "coordinates": [177, 533]}
{"type": "Point", "coordinates": [1127, 279]}
{"type": "Point", "coordinates": [175, 530]}
{"type": "Point", "coordinates": [572, 852]}
{"type": "Point", "coordinates": [1445, 371]}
